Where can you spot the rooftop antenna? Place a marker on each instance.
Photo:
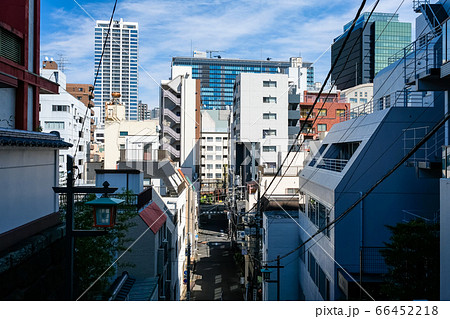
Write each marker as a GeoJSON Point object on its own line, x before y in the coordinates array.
{"type": "Point", "coordinates": [62, 62]}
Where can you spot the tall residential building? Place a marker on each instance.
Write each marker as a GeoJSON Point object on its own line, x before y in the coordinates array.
{"type": "Point", "coordinates": [382, 38]}
{"type": "Point", "coordinates": [217, 76]}
{"type": "Point", "coordinates": [119, 67]}
{"type": "Point", "coordinates": [180, 117]}
{"type": "Point", "coordinates": [260, 118]}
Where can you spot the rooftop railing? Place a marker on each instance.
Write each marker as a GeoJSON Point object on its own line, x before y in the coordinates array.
{"type": "Point", "coordinates": [332, 164]}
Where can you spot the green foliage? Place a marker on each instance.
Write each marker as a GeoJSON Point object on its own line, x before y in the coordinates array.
{"type": "Point", "coordinates": [93, 255]}
{"type": "Point", "coordinates": [413, 260]}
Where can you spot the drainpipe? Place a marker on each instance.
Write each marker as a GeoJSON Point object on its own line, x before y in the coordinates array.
{"type": "Point", "coordinates": [361, 243]}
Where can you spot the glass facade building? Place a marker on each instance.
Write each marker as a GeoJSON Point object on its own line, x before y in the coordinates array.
{"type": "Point", "coordinates": [383, 37]}
{"type": "Point", "coordinates": [119, 69]}
{"type": "Point", "coordinates": [217, 76]}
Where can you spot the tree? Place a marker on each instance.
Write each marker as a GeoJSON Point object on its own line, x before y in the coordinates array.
{"type": "Point", "coordinates": [412, 257]}
{"type": "Point", "coordinates": [93, 255]}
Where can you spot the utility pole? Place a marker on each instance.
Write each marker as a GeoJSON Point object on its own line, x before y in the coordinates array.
{"type": "Point", "coordinates": [278, 281]}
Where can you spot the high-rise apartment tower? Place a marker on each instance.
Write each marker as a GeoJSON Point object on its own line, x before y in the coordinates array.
{"type": "Point", "coordinates": [119, 67]}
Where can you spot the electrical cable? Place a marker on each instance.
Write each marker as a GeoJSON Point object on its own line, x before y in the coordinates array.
{"type": "Point", "coordinates": [96, 77]}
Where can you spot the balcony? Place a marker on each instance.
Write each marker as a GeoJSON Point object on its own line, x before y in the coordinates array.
{"type": "Point", "coordinates": [404, 98]}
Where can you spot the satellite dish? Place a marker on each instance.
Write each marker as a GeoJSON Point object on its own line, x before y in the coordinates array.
{"type": "Point", "coordinates": [51, 59]}
{"type": "Point", "coordinates": [46, 58]}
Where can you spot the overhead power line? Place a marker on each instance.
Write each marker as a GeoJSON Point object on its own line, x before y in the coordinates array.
{"type": "Point", "coordinates": [371, 189]}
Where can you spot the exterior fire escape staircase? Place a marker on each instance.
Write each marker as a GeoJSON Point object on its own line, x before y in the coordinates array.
{"type": "Point", "coordinates": [435, 14]}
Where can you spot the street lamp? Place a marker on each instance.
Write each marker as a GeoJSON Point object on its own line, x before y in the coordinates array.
{"type": "Point", "coordinates": [266, 273]}
{"type": "Point", "coordinates": [105, 209]}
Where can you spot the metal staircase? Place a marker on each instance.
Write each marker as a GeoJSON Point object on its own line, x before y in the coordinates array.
{"type": "Point", "coordinates": [171, 150]}
{"type": "Point", "coordinates": [435, 14]}
{"type": "Point", "coordinates": [171, 132]}
{"type": "Point", "coordinates": [172, 97]}
{"type": "Point", "coordinates": [172, 115]}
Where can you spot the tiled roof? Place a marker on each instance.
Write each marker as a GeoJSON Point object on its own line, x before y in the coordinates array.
{"type": "Point", "coordinates": [12, 137]}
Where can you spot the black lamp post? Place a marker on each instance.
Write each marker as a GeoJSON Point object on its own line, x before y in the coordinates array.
{"type": "Point", "coordinates": [104, 212]}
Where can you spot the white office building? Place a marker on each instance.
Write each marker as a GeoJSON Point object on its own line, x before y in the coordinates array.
{"type": "Point", "coordinates": [214, 149]}
{"type": "Point", "coordinates": [260, 118]}
{"type": "Point", "coordinates": [119, 68]}
{"type": "Point", "coordinates": [65, 114]}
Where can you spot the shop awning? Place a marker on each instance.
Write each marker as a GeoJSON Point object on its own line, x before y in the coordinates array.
{"type": "Point", "coordinates": [153, 216]}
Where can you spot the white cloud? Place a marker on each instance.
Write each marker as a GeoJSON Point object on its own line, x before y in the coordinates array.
{"type": "Point", "coordinates": [241, 29]}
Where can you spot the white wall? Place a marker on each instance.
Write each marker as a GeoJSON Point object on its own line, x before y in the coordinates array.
{"type": "Point", "coordinates": [72, 118]}
{"type": "Point", "coordinates": [28, 175]}
{"type": "Point", "coordinates": [249, 120]}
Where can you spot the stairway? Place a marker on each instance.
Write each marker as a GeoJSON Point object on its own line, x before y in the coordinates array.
{"type": "Point", "coordinates": [435, 14]}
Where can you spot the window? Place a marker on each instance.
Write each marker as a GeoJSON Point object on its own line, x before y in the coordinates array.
{"type": "Point", "coordinates": [269, 99]}
{"type": "Point", "coordinates": [209, 139]}
{"type": "Point", "coordinates": [210, 148]}
{"type": "Point", "coordinates": [353, 100]}
{"type": "Point", "coordinates": [356, 94]}
{"type": "Point", "coordinates": [340, 113]}
{"type": "Point", "coordinates": [218, 175]}
{"type": "Point", "coordinates": [269, 148]}
{"type": "Point", "coordinates": [323, 112]}
{"type": "Point", "coordinates": [209, 157]}
{"type": "Point", "coordinates": [122, 146]}
{"type": "Point", "coordinates": [269, 116]}
{"type": "Point", "coordinates": [52, 125]}
{"type": "Point", "coordinates": [321, 127]}
{"type": "Point", "coordinates": [291, 191]}
{"type": "Point", "coordinates": [269, 133]}
{"type": "Point", "coordinates": [80, 162]}
{"type": "Point", "coordinates": [209, 166]}
{"type": "Point", "coordinates": [218, 166]}
{"type": "Point", "coordinates": [209, 175]}
{"type": "Point", "coordinates": [363, 101]}
{"type": "Point", "coordinates": [218, 139]}
{"type": "Point", "coordinates": [319, 215]}
{"type": "Point", "coordinates": [218, 157]}
{"type": "Point", "coordinates": [123, 133]}
{"type": "Point", "coordinates": [218, 148]}
{"type": "Point", "coordinates": [270, 84]}
{"type": "Point", "coordinates": [360, 94]}
{"type": "Point", "coordinates": [80, 148]}
{"type": "Point", "coordinates": [365, 94]}
{"type": "Point", "coordinates": [60, 108]}
{"type": "Point", "coordinates": [319, 277]}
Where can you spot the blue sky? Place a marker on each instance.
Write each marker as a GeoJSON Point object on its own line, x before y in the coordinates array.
{"type": "Point", "coordinates": [242, 29]}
